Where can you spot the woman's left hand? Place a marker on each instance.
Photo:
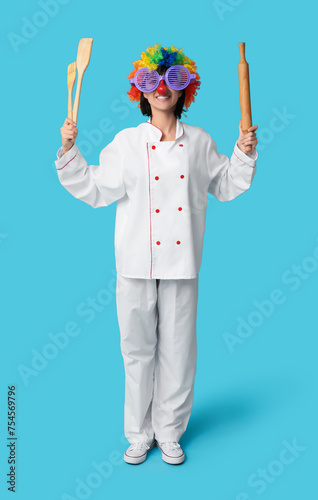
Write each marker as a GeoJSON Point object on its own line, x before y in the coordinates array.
{"type": "Point", "coordinates": [248, 139]}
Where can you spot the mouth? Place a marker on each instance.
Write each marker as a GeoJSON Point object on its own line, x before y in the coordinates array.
{"type": "Point", "coordinates": [162, 98]}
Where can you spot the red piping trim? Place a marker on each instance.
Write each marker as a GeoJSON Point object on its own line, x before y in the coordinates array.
{"type": "Point", "coordinates": [156, 128]}
{"type": "Point", "coordinates": [241, 160]}
{"type": "Point", "coordinates": [66, 163]}
{"type": "Point", "coordinates": [180, 135]}
{"type": "Point", "coordinates": [150, 210]}
{"type": "Point", "coordinates": [149, 123]}
{"type": "Point", "coordinates": [237, 156]}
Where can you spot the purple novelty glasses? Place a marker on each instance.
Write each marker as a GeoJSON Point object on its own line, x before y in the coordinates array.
{"type": "Point", "coordinates": [177, 77]}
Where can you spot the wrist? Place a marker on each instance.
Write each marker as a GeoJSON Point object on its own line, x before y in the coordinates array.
{"type": "Point", "coordinates": [65, 150]}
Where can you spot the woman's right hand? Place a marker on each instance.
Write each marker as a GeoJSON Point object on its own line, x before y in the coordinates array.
{"type": "Point", "coordinates": [69, 133]}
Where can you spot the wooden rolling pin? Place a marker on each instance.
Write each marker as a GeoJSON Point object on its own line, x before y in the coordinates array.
{"type": "Point", "coordinates": [245, 97]}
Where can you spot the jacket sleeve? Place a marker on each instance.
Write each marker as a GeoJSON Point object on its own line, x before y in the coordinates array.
{"type": "Point", "coordinates": [97, 185]}
{"type": "Point", "coordinates": [229, 178]}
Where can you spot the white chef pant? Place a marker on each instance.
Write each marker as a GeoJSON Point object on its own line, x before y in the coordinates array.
{"type": "Point", "coordinates": [157, 322]}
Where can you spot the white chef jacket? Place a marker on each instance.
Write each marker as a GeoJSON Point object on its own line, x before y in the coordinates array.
{"type": "Point", "coordinates": [161, 192]}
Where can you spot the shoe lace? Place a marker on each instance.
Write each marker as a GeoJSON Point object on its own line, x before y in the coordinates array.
{"type": "Point", "coordinates": [139, 446]}
{"type": "Point", "coordinates": [172, 445]}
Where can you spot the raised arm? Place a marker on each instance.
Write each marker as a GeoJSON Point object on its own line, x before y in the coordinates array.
{"type": "Point", "coordinates": [97, 185]}
{"type": "Point", "coordinates": [231, 177]}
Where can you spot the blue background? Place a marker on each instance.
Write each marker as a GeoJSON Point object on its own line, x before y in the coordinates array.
{"type": "Point", "coordinates": [56, 253]}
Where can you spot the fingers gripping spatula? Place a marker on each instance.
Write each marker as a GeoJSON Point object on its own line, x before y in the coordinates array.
{"type": "Point", "coordinates": [82, 61]}
{"type": "Point", "coordinates": [71, 77]}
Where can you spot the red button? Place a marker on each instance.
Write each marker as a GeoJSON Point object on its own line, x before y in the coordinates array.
{"type": "Point", "coordinates": [180, 208]}
{"type": "Point", "coordinates": [157, 210]}
{"type": "Point", "coordinates": [178, 242]}
{"type": "Point", "coordinates": [181, 145]}
{"type": "Point", "coordinates": [153, 147]}
{"type": "Point", "coordinates": [157, 178]}
{"type": "Point", "coordinates": [158, 242]}
{"type": "Point", "coordinates": [181, 176]}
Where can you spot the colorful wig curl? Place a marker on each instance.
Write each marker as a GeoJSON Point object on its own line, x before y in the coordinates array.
{"type": "Point", "coordinates": [157, 56]}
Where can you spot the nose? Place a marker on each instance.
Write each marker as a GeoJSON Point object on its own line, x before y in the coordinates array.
{"type": "Point", "coordinates": [162, 88]}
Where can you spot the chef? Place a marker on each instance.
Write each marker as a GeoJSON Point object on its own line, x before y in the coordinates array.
{"type": "Point", "coordinates": [159, 173]}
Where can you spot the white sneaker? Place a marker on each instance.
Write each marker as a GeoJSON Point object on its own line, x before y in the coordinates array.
{"type": "Point", "coordinates": [136, 453]}
{"type": "Point", "coordinates": [171, 452]}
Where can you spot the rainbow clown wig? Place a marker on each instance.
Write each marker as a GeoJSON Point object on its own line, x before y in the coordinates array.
{"type": "Point", "coordinates": [157, 56]}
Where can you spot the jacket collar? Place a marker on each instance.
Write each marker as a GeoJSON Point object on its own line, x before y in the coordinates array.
{"type": "Point", "coordinates": [156, 133]}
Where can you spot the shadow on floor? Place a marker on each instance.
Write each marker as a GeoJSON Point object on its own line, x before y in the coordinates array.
{"type": "Point", "coordinates": [217, 413]}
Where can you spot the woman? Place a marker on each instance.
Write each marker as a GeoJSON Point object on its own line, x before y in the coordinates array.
{"type": "Point", "coordinates": [159, 173]}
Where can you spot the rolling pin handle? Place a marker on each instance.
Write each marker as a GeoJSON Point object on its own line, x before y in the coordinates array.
{"type": "Point", "coordinates": [242, 51]}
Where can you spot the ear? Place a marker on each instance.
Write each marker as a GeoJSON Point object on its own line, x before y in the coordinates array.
{"type": "Point", "coordinates": [145, 95]}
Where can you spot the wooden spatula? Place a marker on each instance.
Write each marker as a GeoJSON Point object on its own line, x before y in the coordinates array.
{"type": "Point", "coordinates": [82, 61]}
{"type": "Point", "coordinates": [71, 77]}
